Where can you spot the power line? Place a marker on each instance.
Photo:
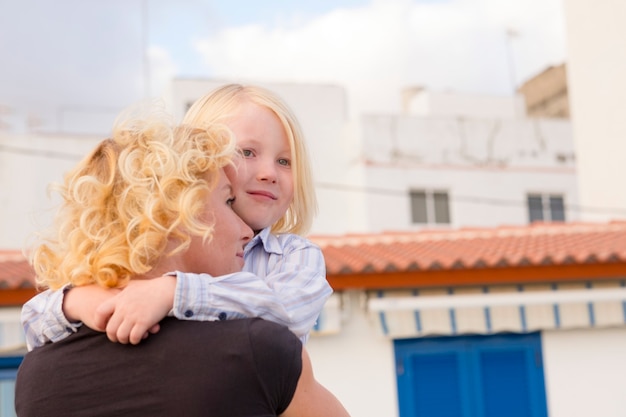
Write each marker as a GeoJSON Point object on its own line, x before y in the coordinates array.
{"type": "Point", "coordinates": [352, 188]}
{"type": "Point", "coordinates": [469, 199]}
{"type": "Point", "coordinates": [44, 153]}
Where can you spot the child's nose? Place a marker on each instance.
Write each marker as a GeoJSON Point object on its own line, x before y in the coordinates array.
{"type": "Point", "coordinates": [267, 171]}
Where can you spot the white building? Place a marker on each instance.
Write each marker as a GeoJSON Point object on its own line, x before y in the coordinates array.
{"type": "Point", "coordinates": [443, 163]}
{"type": "Point", "coordinates": [449, 161]}
{"type": "Point", "coordinates": [596, 63]}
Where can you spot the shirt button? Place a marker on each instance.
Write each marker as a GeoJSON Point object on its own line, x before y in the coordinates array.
{"type": "Point", "coordinates": [188, 313]}
{"type": "Point", "coordinates": [222, 316]}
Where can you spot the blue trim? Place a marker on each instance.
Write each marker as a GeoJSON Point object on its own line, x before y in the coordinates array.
{"type": "Point", "coordinates": [317, 326]}
{"type": "Point", "coordinates": [8, 362]}
{"type": "Point", "coordinates": [590, 309]}
{"type": "Point", "coordinates": [416, 314]}
{"type": "Point", "coordinates": [453, 327]}
{"type": "Point", "coordinates": [522, 313]}
{"type": "Point", "coordinates": [488, 320]}
{"type": "Point", "coordinates": [8, 366]}
{"type": "Point", "coordinates": [452, 314]}
{"type": "Point", "coordinates": [381, 315]}
{"type": "Point", "coordinates": [418, 321]}
{"type": "Point", "coordinates": [383, 323]}
{"type": "Point", "coordinates": [487, 312]}
{"type": "Point", "coordinates": [522, 316]}
{"type": "Point", "coordinates": [557, 316]}
{"type": "Point", "coordinates": [555, 309]}
{"type": "Point", "coordinates": [624, 303]}
{"type": "Point", "coordinates": [592, 315]}
{"type": "Point", "coordinates": [8, 374]}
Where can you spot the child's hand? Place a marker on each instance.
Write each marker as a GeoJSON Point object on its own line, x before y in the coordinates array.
{"type": "Point", "coordinates": [135, 312]}
{"type": "Point", "coordinates": [80, 303]}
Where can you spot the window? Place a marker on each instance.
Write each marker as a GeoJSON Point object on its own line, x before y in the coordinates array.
{"type": "Point", "coordinates": [546, 207]}
{"type": "Point", "coordinates": [471, 376]}
{"type": "Point", "coordinates": [430, 207]}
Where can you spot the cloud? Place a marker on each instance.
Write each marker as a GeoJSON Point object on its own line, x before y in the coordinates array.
{"type": "Point", "coordinates": [379, 49]}
{"type": "Point", "coordinates": [65, 58]}
{"type": "Point", "coordinates": [161, 70]}
{"type": "Point", "coordinates": [69, 56]}
{"type": "Point", "coordinates": [362, 47]}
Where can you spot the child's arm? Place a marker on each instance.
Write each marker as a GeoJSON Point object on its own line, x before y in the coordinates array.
{"type": "Point", "coordinates": [51, 316]}
{"type": "Point", "coordinates": [292, 293]}
{"type": "Point", "coordinates": [128, 316]}
{"type": "Point", "coordinates": [295, 281]}
{"type": "Point", "coordinates": [43, 319]}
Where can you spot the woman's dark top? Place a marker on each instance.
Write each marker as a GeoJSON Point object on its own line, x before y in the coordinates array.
{"type": "Point", "coordinates": [247, 367]}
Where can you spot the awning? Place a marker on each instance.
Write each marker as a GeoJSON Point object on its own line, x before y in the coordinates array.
{"type": "Point", "coordinates": [486, 310]}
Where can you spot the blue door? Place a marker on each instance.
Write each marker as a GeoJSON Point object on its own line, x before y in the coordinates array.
{"type": "Point", "coordinates": [471, 376]}
{"type": "Point", "coordinates": [8, 371]}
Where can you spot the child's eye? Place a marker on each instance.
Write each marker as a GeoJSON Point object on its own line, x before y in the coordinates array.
{"type": "Point", "coordinates": [247, 153]}
{"type": "Point", "coordinates": [284, 162]}
{"type": "Point", "coordinates": [230, 201]}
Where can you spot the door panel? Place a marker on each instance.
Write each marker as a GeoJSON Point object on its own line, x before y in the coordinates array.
{"type": "Point", "coordinates": [471, 376]}
{"type": "Point", "coordinates": [437, 386]}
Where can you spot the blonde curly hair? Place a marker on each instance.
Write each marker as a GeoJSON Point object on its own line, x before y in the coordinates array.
{"type": "Point", "coordinates": [126, 203]}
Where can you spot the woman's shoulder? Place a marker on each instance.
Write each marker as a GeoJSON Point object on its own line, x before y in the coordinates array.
{"type": "Point", "coordinates": [267, 336]}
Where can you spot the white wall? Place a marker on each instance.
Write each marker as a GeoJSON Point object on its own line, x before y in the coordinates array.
{"type": "Point", "coordinates": [478, 142]}
{"type": "Point", "coordinates": [11, 332]}
{"type": "Point", "coordinates": [363, 170]}
{"type": "Point", "coordinates": [479, 148]}
{"type": "Point", "coordinates": [488, 166]}
{"type": "Point", "coordinates": [584, 371]}
{"type": "Point", "coordinates": [596, 64]}
{"type": "Point", "coordinates": [357, 365]}
{"type": "Point", "coordinates": [478, 197]}
{"type": "Point", "coordinates": [436, 104]}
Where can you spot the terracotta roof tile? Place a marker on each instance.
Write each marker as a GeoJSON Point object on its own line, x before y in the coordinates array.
{"type": "Point", "coordinates": [15, 272]}
{"type": "Point", "coordinates": [506, 246]}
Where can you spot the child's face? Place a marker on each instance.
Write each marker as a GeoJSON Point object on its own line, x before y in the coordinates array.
{"type": "Point", "coordinates": [223, 254]}
{"type": "Point", "coordinates": [263, 181]}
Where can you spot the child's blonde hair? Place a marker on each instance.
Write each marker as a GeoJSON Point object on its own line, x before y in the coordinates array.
{"type": "Point", "coordinates": [130, 199]}
{"type": "Point", "coordinates": [222, 104]}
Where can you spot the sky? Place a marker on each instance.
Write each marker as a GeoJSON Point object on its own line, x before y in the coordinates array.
{"type": "Point", "coordinates": [65, 60]}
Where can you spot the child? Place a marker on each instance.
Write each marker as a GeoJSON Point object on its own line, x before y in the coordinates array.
{"type": "Point", "coordinates": [283, 278]}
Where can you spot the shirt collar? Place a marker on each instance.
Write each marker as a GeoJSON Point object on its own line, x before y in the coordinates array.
{"type": "Point", "coordinates": [269, 241]}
